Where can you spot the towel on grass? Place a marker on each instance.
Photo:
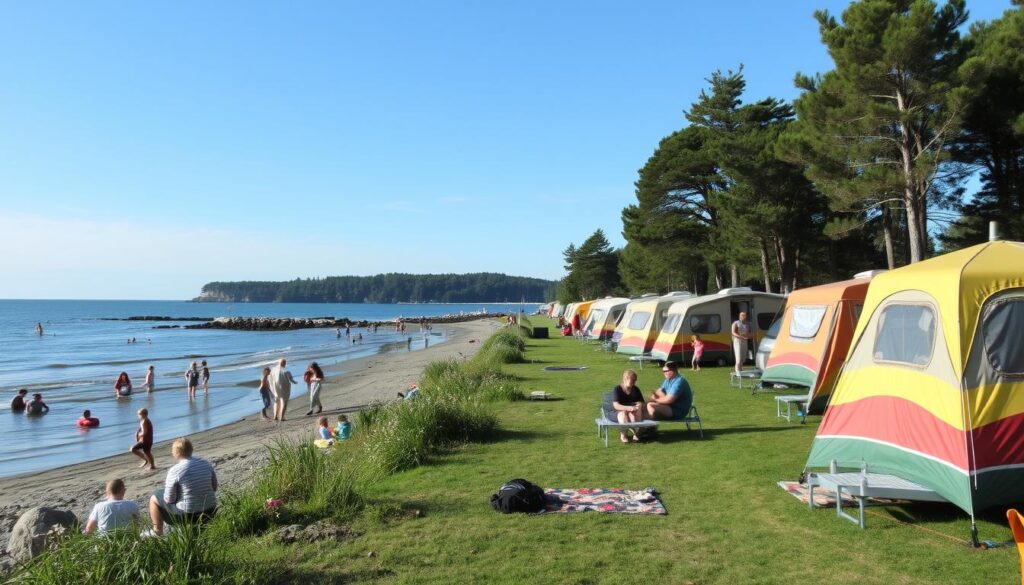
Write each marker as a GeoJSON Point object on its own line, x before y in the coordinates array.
{"type": "Point", "coordinates": [613, 500]}
{"type": "Point", "coordinates": [824, 498]}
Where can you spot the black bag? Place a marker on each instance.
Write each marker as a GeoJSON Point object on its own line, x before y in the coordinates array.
{"type": "Point", "coordinates": [518, 495]}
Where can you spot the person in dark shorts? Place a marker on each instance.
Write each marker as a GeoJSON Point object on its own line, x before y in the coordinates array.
{"type": "Point", "coordinates": [265, 393]}
{"type": "Point", "coordinates": [205, 375]}
{"type": "Point", "coordinates": [192, 379]}
{"type": "Point", "coordinates": [628, 403]}
{"type": "Point", "coordinates": [143, 447]}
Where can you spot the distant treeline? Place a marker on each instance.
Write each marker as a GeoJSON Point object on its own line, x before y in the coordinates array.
{"type": "Point", "coordinates": [385, 288]}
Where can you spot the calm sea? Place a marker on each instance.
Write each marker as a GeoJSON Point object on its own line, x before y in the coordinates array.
{"type": "Point", "coordinates": [75, 363]}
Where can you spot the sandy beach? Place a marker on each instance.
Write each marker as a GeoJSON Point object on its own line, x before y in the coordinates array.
{"type": "Point", "coordinates": [235, 449]}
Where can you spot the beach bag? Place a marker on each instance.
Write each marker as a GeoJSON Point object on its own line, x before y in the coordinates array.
{"type": "Point", "coordinates": [518, 495]}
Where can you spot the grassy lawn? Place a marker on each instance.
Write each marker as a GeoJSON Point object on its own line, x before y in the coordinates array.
{"type": "Point", "coordinates": [727, 520]}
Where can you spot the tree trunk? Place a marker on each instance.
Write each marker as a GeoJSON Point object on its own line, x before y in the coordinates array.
{"type": "Point", "coordinates": [719, 277]}
{"type": "Point", "coordinates": [890, 255]}
{"type": "Point", "coordinates": [765, 267]}
{"type": "Point", "coordinates": [911, 197]}
{"type": "Point", "coordinates": [734, 272]}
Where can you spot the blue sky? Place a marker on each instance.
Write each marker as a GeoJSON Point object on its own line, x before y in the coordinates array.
{"type": "Point", "coordinates": [148, 148]}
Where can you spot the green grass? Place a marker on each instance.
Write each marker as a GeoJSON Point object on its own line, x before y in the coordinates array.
{"type": "Point", "coordinates": [727, 521]}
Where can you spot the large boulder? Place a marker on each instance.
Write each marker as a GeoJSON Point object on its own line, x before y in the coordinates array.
{"type": "Point", "coordinates": [35, 528]}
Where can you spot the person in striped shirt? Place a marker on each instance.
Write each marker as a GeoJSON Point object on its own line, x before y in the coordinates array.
{"type": "Point", "coordinates": [189, 493]}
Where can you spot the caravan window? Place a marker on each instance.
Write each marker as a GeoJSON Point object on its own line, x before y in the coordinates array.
{"type": "Point", "coordinates": [672, 324]}
{"type": "Point", "coordinates": [806, 321]}
{"type": "Point", "coordinates": [596, 318]}
{"type": "Point", "coordinates": [638, 321]}
{"type": "Point", "coordinates": [765, 320]}
{"type": "Point", "coordinates": [906, 334]}
{"type": "Point", "coordinates": [1003, 328]}
{"type": "Point", "coordinates": [705, 323]}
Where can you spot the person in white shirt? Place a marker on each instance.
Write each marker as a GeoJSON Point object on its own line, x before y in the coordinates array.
{"type": "Point", "coordinates": [114, 513]}
{"type": "Point", "coordinates": [281, 381]}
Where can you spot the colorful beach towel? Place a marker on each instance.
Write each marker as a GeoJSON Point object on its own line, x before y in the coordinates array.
{"type": "Point", "coordinates": [618, 501]}
{"type": "Point", "coordinates": [826, 498]}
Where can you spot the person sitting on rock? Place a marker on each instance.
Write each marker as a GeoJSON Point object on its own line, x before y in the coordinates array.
{"type": "Point", "coordinates": [114, 513]}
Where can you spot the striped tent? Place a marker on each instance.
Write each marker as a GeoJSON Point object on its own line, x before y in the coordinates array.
{"type": "Point", "coordinates": [933, 387]}
{"type": "Point", "coordinates": [815, 337]}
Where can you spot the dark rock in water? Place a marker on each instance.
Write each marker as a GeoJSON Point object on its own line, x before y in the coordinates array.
{"type": "Point", "coordinates": [36, 528]}
{"type": "Point", "coordinates": [286, 323]}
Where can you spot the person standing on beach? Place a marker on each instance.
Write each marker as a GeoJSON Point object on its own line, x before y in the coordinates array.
{"type": "Point", "coordinates": [123, 386]}
{"type": "Point", "coordinates": [206, 379]}
{"type": "Point", "coordinates": [265, 393]}
{"type": "Point", "coordinates": [18, 402]}
{"type": "Point", "coordinates": [143, 447]}
{"type": "Point", "coordinates": [149, 379]}
{"type": "Point", "coordinates": [281, 381]}
{"type": "Point", "coordinates": [192, 379]}
{"type": "Point", "coordinates": [316, 377]}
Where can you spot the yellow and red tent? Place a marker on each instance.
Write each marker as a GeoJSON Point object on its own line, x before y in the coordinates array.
{"type": "Point", "coordinates": [933, 388]}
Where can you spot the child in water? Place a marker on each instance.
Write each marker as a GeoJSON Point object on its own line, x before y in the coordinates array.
{"type": "Point", "coordinates": [344, 428]}
{"type": "Point", "coordinates": [88, 420]}
{"type": "Point", "coordinates": [698, 352]}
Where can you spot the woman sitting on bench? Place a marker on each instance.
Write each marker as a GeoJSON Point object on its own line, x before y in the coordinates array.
{"type": "Point", "coordinates": [628, 404]}
{"type": "Point", "coordinates": [672, 401]}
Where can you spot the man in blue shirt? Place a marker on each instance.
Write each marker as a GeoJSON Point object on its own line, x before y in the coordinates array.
{"type": "Point", "coordinates": [674, 398]}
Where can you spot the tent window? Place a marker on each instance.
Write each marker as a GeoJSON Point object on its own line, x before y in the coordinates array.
{"type": "Point", "coordinates": [764, 320]}
{"type": "Point", "coordinates": [806, 320]}
{"type": "Point", "coordinates": [705, 323]}
{"type": "Point", "coordinates": [671, 325]}
{"type": "Point", "coordinates": [906, 334]}
{"type": "Point", "coordinates": [1003, 328]}
{"type": "Point", "coordinates": [638, 321]}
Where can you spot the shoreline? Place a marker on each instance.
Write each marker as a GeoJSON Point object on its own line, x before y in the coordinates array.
{"type": "Point", "coordinates": [239, 447]}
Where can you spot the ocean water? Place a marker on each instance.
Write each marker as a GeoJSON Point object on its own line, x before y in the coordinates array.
{"type": "Point", "coordinates": [75, 362]}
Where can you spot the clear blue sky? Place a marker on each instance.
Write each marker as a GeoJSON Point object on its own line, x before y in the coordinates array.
{"type": "Point", "coordinates": [147, 148]}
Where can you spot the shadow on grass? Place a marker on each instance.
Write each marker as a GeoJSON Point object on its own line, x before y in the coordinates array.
{"type": "Point", "coordinates": [275, 575]}
{"type": "Point", "coordinates": [673, 435]}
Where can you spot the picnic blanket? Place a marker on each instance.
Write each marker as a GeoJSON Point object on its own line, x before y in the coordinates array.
{"type": "Point", "coordinates": [826, 498]}
{"type": "Point", "coordinates": [562, 500]}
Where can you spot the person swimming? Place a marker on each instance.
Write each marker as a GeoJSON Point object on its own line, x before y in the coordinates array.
{"type": "Point", "coordinates": [18, 402]}
{"type": "Point", "coordinates": [36, 406]}
{"type": "Point", "coordinates": [88, 420]}
{"type": "Point", "coordinates": [123, 386]}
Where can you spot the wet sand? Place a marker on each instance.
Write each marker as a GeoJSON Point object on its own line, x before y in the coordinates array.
{"type": "Point", "coordinates": [235, 449]}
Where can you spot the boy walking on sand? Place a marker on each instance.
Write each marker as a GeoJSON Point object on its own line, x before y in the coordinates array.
{"type": "Point", "coordinates": [143, 447]}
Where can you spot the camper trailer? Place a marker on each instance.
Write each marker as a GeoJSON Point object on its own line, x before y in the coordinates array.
{"type": "Point", "coordinates": [582, 309]}
{"type": "Point", "coordinates": [932, 390]}
{"type": "Point", "coordinates": [711, 317]}
{"type": "Point", "coordinates": [604, 316]}
{"type": "Point", "coordinates": [814, 337]}
{"type": "Point", "coordinates": [644, 317]}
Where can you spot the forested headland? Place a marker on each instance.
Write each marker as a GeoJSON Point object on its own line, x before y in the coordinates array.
{"type": "Point", "coordinates": [907, 148]}
{"type": "Point", "coordinates": [385, 288]}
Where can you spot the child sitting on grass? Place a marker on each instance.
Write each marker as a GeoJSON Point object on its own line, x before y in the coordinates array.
{"type": "Point", "coordinates": [324, 429]}
{"type": "Point", "coordinates": [344, 428]}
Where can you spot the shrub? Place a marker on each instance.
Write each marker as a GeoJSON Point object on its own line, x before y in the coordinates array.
{"type": "Point", "coordinates": [509, 337]}
{"type": "Point", "coordinates": [187, 554]}
{"type": "Point", "coordinates": [310, 484]}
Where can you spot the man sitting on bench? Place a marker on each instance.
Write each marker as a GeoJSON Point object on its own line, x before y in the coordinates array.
{"type": "Point", "coordinates": [672, 401]}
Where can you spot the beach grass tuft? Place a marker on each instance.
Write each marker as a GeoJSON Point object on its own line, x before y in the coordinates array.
{"type": "Point", "coordinates": [187, 554]}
